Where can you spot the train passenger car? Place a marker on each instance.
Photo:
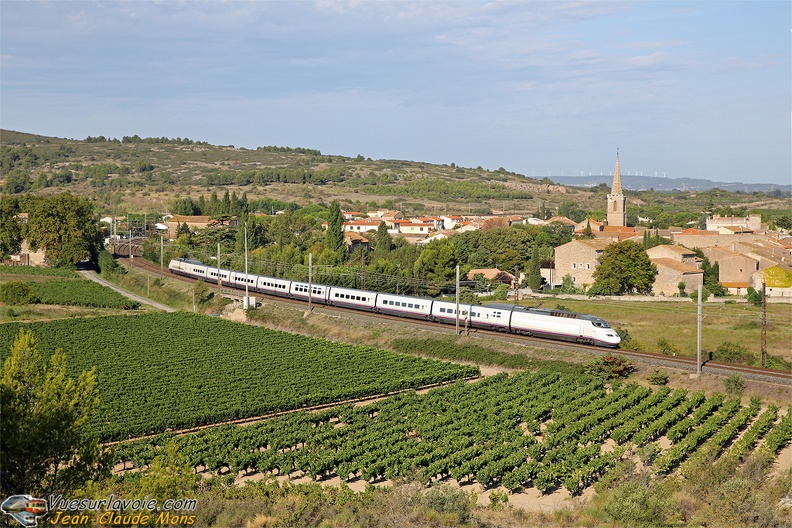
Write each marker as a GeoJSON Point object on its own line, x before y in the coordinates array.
{"type": "Point", "coordinates": [190, 268]}
{"type": "Point", "coordinates": [350, 298]}
{"type": "Point", "coordinates": [445, 312]}
{"type": "Point", "coordinates": [491, 317]}
{"type": "Point", "coordinates": [404, 306]}
{"type": "Point", "coordinates": [299, 290]}
{"type": "Point", "coordinates": [213, 273]}
{"type": "Point", "coordinates": [238, 279]}
{"type": "Point", "coordinates": [273, 286]}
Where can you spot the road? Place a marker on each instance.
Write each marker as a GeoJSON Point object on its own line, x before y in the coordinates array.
{"type": "Point", "coordinates": [142, 300]}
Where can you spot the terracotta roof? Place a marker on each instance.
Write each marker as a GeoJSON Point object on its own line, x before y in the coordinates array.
{"type": "Point", "coordinates": [489, 273]}
{"type": "Point", "coordinates": [675, 265]}
{"type": "Point", "coordinates": [734, 284]}
{"type": "Point", "coordinates": [675, 249]}
{"type": "Point", "coordinates": [189, 219]}
{"type": "Point", "coordinates": [355, 237]}
{"type": "Point", "coordinates": [620, 229]}
{"type": "Point", "coordinates": [594, 243]}
{"type": "Point", "coordinates": [562, 219]}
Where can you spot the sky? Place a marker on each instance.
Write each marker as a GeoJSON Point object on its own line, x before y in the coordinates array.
{"type": "Point", "coordinates": [541, 88]}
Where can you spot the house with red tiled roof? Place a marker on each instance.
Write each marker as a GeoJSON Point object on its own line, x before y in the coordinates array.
{"type": "Point", "coordinates": [491, 274]}
{"type": "Point", "coordinates": [595, 226]}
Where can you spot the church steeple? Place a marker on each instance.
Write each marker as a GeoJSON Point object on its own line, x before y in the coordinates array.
{"type": "Point", "coordinates": [617, 202]}
{"type": "Point", "coordinates": [617, 185]}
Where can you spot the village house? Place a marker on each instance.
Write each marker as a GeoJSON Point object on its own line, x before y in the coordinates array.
{"type": "Point", "coordinates": [734, 224]}
{"type": "Point", "coordinates": [492, 274]}
{"type": "Point", "coordinates": [578, 259]}
{"type": "Point", "coordinates": [671, 272]}
{"type": "Point", "coordinates": [777, 281]}
{"type": "Point", "coordinates": [354, 240]}
{"type": "Point", "coordinates": [193, 222]}
{"type": "Point", "coordinates": [678, 253]}
{"type": "Point", "coordinates": [734, 270]}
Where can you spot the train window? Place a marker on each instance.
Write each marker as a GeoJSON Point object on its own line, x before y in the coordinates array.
{"type": "Point", "coordinates": [442, 310]}
{"type": "Point", "coordinates": [404, 305]}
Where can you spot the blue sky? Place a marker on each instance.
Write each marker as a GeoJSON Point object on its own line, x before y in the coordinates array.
{"type": "Point", "coordinates": [685, 89]}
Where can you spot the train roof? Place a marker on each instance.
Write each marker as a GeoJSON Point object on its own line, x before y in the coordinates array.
{"type": "Point", "coordinates": [191, 261]}
{"type": "Point", "coordinates": [545, 311]}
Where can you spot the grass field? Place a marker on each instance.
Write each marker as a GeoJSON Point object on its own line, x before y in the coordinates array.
{"type": "Point", "coordinates": [649, 322]}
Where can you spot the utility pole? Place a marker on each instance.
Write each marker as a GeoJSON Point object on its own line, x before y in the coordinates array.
{"type": "Point", "coordinates": [219, 280]}
{"type": "Point", "coordinates": [162, 252]}
{"type": "Point", "coordinates": [362, 267]}
{"type": "Point", "coordinates": [516, 284]}
{"type": "Point", "coordinates": [764, 327]}
{"type": "Point", "coordinates": [698, 340]}
{"type": "Point", "coordinates": [246, 304]}
{"type": "Point", "coordinates": [457, 299]}
{"type": "Point", "coordinates": [310, 280]}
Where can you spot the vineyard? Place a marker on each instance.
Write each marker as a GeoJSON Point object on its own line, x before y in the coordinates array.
{"type": "Point", "coordinates": [544, 430]}
{"type": "Point", "coordinates": [169, 371]}
{"type": "Point", "coordinates": [80, 292]}
{"type": "Point", "coordinates": [37, 271]}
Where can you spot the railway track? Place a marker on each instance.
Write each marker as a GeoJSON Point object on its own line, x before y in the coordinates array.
{"type": "Point", "coordinates": [779, 377]}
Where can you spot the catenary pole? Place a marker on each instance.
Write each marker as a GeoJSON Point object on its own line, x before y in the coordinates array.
{"type": "Point", "coordinates": [457, 300]}
{"type": "Point", "coordinates": [698, 340]}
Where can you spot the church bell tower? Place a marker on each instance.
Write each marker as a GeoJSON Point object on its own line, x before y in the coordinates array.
{"type": "Point", "coordinates": [617, 202]}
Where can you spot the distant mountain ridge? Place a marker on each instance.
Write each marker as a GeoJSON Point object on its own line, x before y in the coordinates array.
{"type": "Point", "coordinates": [644, 183]}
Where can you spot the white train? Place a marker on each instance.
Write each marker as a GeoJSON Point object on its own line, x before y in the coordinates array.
{"type": "Point", "coordinates": [539, 322]}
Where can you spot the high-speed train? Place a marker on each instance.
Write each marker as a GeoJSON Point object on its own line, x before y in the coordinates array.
{"type": "Point", "coordinates": [539, 322]}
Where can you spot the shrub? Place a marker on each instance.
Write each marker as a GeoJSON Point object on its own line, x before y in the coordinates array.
{"type": "Point", "coordinates": [733, 353]}
{"type": "Point", "coordinates": [734, 385]}
{"type": "Point", "coordinates": [658, 377]}
{"type": "Point", "coordinates": [667, 348]}
{"type": "Point", "coordinates": [705, 293]}
{"type": "Point", "coordinates": [611, 367]}
{"type": "Point", "coordinates": [107, 264]}
{"type": "Point", "coordinates": [447, 499]}
{"type": "Point", "coordinates": [754, 297]}
{"type": "Point", "coordinates": [17, 293]}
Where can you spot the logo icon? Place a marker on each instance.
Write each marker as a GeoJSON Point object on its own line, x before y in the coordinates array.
{"type": "Point", "coordinates": [25, 509]}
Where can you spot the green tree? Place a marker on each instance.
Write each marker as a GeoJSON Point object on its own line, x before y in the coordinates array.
{"type": "Point", "coordinates": [65, 227]}
{"type": "Point", "coordinates": [382, 241]}
{"type": "Point", "coordinates": [623, 267]}
{"type": "Point", "coordinates": [10, 226]}
{"type": "Point", "coordinates": [46, 446]}
{"type": "Point", "coordinates": [437, 261]}
{"type": "Point", "coordinates": [335, 229]}
{"type": "Point", "coordinates": [534, 273]}
{"type": "Point", "coordinates": [17, 181]}
{"type": "Point", "coordinates": [711, 274]}
{"type": "Point", "coordinates": [587, 232]}
{"type": "Point", "coordinates": [568, 285]}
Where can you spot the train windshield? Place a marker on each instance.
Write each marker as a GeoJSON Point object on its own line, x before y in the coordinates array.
{"type": "Point", "coordinates": [600, 324]}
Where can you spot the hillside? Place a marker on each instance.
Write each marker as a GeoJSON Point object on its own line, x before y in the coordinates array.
{"type": "Point", "coordinates": [147, 175]}
{"type": "Point", "coordinates": [644, 183]}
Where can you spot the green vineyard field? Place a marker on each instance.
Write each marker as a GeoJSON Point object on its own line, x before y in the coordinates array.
{"type": "Point", "coordinates": [544, 430]}
{"type": "Point", "coordinates": [80, 292]}
{"type": "Point", "coordinates": [170, 371]}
